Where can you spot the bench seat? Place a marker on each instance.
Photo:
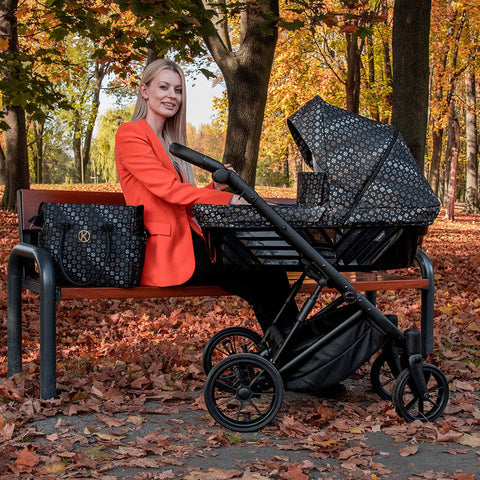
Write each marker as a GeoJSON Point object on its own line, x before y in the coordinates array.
{"type": "Point", "coordinates": [362, 281]}
{"type": "Point", "coordinates": [26, 252]}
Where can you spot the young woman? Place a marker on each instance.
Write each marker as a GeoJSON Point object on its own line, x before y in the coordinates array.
{"type": "Point", "coordinates": [176, 252]}
{"type": "Point", "coordinates": [150, 176]}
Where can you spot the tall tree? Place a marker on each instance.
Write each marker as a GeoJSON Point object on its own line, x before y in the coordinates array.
{"type": "Point", "coordinates": [84, 117]}
{"type": "Point", "coordinates": [37, 148]}
{"type": "Point", "coordinates": [453, 143]}
{"type": "Point", "coordinates": [445, 22]}
{"type": "Point", "coordinates": [25, 88]}
{"type": "Point", "coordinates": [16, 158]}
{"type": "Point", "coordinates": [246, 71]}
{"type": "Point", "coordinates": [454, 150]}
{"type": "Point", "coordinates": [410, 46]}
{"type": "Point", "coordinates": [472, 201]}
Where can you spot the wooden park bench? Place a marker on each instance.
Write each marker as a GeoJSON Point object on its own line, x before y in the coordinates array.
{"type": "Point", "coordinates": [26, 254]}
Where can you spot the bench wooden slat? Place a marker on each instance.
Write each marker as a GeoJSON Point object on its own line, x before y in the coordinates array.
{"type": "Point", "coordinates": [362, 282]}
{"type": "Point", "coordinates": [29, 201]}
{"type": "Point", "coordinates": [69, 292]}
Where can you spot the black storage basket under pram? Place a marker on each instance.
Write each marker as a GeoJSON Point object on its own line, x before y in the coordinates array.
{"type": "Point", "coordinates": [365, 206]}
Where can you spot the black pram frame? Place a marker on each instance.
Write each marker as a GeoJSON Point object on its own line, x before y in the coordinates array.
{"type": "Point", "coordinates": [365, 206]}
{"type": "Point", "coordinates": [244, 391]}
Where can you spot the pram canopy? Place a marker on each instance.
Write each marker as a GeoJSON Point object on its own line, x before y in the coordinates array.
{"type": "Point", "coordinates": [370, 175]}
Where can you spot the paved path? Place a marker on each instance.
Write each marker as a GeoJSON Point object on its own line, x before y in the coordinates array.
{"type": "Point", "coordinates": [178, 439]}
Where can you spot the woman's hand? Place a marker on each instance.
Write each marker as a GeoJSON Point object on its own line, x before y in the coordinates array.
{"type": "Point", "coordinates": [223, 186]}
{"type": "Point", "coordinates": [238, 200]}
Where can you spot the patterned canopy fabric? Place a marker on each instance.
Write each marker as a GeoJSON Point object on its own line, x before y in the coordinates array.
{"type": "Point", "coordinates": [370, 174]}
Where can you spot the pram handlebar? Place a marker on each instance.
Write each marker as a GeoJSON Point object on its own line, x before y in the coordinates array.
{"type": "Point", "coordinates": [196, 158]}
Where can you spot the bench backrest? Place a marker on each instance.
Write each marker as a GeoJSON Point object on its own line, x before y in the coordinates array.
{"type": "Point", "coordinates": [28, 202]}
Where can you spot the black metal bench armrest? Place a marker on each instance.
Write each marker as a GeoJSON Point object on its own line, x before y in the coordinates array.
{"type": "Point", "coordinates": [428, 301]}
{"type": "Point", "coordinates": [21, 254]}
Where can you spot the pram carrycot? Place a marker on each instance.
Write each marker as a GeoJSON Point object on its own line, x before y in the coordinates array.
{"type": "Point", "coordinates": [365, 206]}
{"type": "Point", "coordinates": [244, 390]}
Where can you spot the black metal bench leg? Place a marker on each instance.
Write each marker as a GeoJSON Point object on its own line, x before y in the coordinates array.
{"type": "Point", "coordinates": [14, 314]}
{"type": "Point", "coordinates": [48, 375]}
{"type": "Point", "coordinates": [48, 343]}
{"type": "Point", "coordinates": [428, 302]}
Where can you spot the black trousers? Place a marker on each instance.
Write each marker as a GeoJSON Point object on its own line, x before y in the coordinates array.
{"type": "Point", "coordinates": [264, 289]}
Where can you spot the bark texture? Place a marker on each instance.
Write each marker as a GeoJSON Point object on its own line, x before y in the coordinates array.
{"type": "Point", "coordinates": [410, 45]}
{"type": "Point", "coordinates": [246, 71]}
{"type": "Point", "coordinates": [16, 157]}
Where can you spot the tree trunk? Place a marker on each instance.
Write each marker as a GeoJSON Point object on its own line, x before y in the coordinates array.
{"type": "Point", "coordinates": [77, 147]}
{"type": "Point", "coordinates": [83, 129]}
{"type": "Point", "coordinates": [38, 130]}
{"type": "Point", "coordinates": [387, 68]}
{"type": "Point", "coordinates": [246, 73]}
{"type": "Point", "coordinates": [100, 72]}
{"type": "Point", "coordinates": [437, 144]}
{"type": "Point", "coordinates": [16, 156]}
{"type": "Point", "coordinates": [371, 76]}
{"type": "Point", "coordinates": [352, 85]}
{"type": "Point", "coordinates": [449, 151]}
{"type": "Point", "coordinates": [452, 183]}
{"type": "Point", "coordinates": [2, 166]}
{"type": "Point", "coordinates": [435, 177]}
{"type": "Point", "coordinates": [472, 204]}
{"type": "Point", "coordinates": [453, 143]}
{"type": "Point", "coordinates": [410, 44]}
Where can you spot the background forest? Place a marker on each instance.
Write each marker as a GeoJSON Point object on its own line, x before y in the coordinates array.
{"type": "Point", "coordinates": [340, 50]}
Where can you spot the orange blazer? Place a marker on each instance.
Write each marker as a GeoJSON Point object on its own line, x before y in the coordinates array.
{"type": "Point", "coordinates": [148, 177]}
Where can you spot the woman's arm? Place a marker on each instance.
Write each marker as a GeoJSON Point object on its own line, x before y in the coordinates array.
{"type": "Point", "coordinates": [141, 155]}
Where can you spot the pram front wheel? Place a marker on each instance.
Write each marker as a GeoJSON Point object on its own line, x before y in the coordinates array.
{"type": "Point", "coordinates": [385, 369]}
{"type": "Point", "coordinates": [243, 392]}
{"type": "Point", "coordinates": [228, 341]}
{"type": "Point", "coordinates": [408, 402]}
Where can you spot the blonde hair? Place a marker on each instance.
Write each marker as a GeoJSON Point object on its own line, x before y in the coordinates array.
{"type": "Point", "coordinates": [175, 129]}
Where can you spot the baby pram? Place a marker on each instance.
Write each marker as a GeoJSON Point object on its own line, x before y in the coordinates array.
{"type": "Point", "coordinates": [364, 206]}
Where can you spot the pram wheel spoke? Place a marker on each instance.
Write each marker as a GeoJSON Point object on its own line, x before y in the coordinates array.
{"type": "Point", "coordinates": [227, 342]}
{"type": "Point", "coordinates": [385, 369]}
{"type": "Point", "coordinates": [408, 402]}
{"type": "Point", "coordinates": [243, 392]}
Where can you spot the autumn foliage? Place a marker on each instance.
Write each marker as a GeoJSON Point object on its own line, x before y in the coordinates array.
{"type": "Point", "coordinates": [117, 355]}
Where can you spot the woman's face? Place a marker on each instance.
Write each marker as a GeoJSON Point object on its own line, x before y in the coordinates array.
{"type": "Point", "coordinates": [163, 94]}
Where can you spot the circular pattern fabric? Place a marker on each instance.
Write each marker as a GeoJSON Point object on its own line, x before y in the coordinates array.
{"type": "Point", "coordinates": [370, 174]}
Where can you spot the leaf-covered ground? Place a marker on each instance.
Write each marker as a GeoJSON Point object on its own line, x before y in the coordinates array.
{"type": "Point", "coordinates": [121, 360]}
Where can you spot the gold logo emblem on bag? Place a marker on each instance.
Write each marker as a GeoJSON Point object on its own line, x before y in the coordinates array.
{"type": "Point", "coordinates": [84, 236]}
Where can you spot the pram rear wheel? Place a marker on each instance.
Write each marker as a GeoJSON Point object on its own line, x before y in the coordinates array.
{"type": "Point", "coordinates": [385, 369]}
{"type": "Point", "coordinates": [228, 341]}
{"type": "Point", "coordinates": [244, 392]}
{"type": "Point", "coordinates": [408, 402]}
